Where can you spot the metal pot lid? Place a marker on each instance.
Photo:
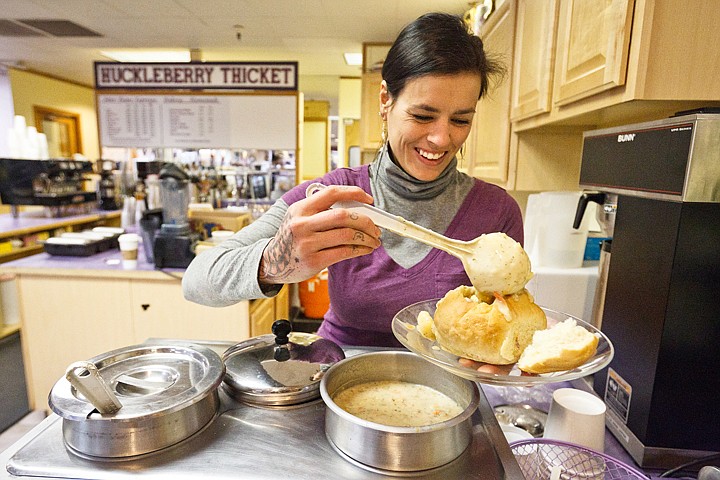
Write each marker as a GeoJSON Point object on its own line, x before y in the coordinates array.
{"type": "Point", "coordinates": [145, 379]}
{"type": "Point", "coordinates": [282, 368]}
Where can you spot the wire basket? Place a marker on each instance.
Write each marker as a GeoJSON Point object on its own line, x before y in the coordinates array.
{"type": "Point", "coordinates": [545, 459]}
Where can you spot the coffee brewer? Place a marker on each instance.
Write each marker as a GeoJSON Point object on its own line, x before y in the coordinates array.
{"type": "Point", "coordinates": [54, 184]}
{"type": "Point", "coordinates": [662, 300]}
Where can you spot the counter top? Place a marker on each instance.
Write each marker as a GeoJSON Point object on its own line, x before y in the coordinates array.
{"type": "Point", "coordinates": [35, 221]}
{"type": "Point", "coordinates": [108, 264]}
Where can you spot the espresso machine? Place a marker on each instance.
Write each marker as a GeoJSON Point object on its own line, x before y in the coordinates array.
{"type": "Point", "coordinates": [174, 244]}
{"type": "Point", "coordinates": [661, 304]}
{"type": "Point", "coordinates": [54, 184]}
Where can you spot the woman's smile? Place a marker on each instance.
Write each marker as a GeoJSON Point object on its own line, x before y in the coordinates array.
{"type": "Point", "coordinates": [429, 121]}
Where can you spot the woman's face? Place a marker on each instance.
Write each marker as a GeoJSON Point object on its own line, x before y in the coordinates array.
{"type": "Point", "coordinates": [429, 121]}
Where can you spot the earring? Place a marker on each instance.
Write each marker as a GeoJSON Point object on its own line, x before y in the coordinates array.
{"type": "Point", "coordinates": [384, 132]}
{"type": "Point", "coordinates": [462, 155]}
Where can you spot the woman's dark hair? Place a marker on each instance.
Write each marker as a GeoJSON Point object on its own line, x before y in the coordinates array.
{"type": "Point", "coordinates": [437, 44]}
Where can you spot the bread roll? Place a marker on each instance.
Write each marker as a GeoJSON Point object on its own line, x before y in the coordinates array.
{"type": "Point", "coordinates": [484, 328]}
{"type": "Point", "coordinates": [565, 346]}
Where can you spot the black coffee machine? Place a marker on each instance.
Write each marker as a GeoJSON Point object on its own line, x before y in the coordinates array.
{"type": "Point", "coordinates": [50, 183]}
{"type": "Point", "coordinates": [662, 299]}
{"type": "Point", "coordinates": [107, 187]}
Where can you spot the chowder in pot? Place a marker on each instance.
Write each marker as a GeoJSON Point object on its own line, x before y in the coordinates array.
{"type": "Point", "coordinates": [392, 447]}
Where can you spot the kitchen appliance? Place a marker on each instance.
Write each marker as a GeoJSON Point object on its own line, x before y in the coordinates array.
{"type": "Point", "coordinates": [108, 191]}
{"type": "Point", "coordinates": [174, 244]}
{"type": "Point", "coordinates": [250, 441]}
{"type": "Point", "coordinates": [661, 306]}
{"type": "Point", "coordinates": [50, 183]}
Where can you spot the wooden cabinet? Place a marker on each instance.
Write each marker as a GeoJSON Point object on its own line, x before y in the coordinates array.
{"type": "Point", "coordinates": [592, 47]}
{"type": "Point", "coordinates": [588, 64]}
{"type": "Point", "coordinates": [263, 312]}
{"type": "Point", "coordinates": [62, 323]}
{"type": "Point", "coordinates": [487, 147]}
{"type": "Point", "coordinates": [316, 140]}
{"type": "Point", "coordinates": [534, 55]}
{"type": "Point", "coordinates": [159, 310]}
{"type": "Point", "coordinates": [370, 120]}
{"type": "Point", "coordinates": [262, 316]}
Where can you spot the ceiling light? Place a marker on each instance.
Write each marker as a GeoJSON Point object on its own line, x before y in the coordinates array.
{"type": "Point", "coordinates": [353, 59]}
{"type": "Point", "coordinates": [175, 56]}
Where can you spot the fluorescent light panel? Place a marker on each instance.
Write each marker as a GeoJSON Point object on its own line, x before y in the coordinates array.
{"type": "Point", "coordinates": [353, 59]}
{"type": "Point", "coordinates": [148, 55]}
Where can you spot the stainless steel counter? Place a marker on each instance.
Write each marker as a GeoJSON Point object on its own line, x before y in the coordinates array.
{"type": "Point", "coordinates": [250, 443]}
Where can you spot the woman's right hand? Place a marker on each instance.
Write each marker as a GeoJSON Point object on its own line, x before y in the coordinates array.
{"type": "Point", "coordinates": [313, 236]}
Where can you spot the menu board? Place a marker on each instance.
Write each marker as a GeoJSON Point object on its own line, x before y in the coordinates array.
{"type": "Point", "coordinates": [198, 121]}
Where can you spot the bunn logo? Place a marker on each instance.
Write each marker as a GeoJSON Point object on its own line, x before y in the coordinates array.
{"type": "Point", "coordinates": [626, 137]}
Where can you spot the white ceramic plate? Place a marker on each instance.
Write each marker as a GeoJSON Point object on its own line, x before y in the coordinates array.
{"type": "Point", "coordinates": [404, 326]}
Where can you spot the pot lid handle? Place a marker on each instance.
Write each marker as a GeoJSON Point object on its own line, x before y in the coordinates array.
{"type": "Point", "coordinates": [86, 379]}
{"type": "Point", "coordinates": [281, 329]}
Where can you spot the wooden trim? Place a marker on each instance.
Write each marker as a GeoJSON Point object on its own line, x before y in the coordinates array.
{"type": "Point", "coordinates": [53, 77]}
{"type": "Point", "coordinates": [40, 112]}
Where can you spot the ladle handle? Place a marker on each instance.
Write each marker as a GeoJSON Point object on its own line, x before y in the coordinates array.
{"type": "Point", "coordinates": [86, 379]}
{"type": "Point", "coordinates": [398, 225]}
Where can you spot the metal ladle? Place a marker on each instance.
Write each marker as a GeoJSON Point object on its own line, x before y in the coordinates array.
{"type": "Point", "coordinates": [493, 262]}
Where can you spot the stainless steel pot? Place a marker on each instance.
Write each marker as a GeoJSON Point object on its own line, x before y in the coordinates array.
{"type": "Point", "coordinates": [398, 449]}
{"type": "Point", "coordinates": [166, 393]}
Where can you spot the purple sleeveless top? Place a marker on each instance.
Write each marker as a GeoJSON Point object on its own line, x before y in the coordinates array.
{"type": "Point", "coordinates": [367, 291]}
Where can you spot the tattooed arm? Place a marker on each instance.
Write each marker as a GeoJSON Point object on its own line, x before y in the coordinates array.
{"type": "Point", "coordinates": [312, 236]}
{"type": "Point", "coordinates": [285, 245]}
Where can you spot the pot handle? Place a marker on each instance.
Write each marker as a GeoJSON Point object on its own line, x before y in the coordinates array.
{"type": "Point", "coordinates": [86, 379]}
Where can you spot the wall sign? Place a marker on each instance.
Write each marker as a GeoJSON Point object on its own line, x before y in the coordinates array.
{"type": "Point", "coordinates": [197, 76]}
{"type": "Point", "coordinates": [198, 121]}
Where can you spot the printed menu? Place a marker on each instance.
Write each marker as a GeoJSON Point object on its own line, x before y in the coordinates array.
{"type": "Point", "coordinates": [197, 121]}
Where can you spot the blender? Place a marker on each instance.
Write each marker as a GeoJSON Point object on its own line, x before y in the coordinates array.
{"type": "Point", "coordinates": [174, 244]}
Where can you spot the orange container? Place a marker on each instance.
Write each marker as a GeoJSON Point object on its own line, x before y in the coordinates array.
{"type": "Point", "coordinates": [314, 296]}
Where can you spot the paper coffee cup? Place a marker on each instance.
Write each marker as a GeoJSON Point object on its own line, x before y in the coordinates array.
{"type": "Point", "coordinates": [128, 243]}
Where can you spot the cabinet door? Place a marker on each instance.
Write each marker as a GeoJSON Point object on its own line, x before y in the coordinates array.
{"type": "Point", "coordinates": [262, 316]}
{"type": "Point", "coordinates": [67, 319]}
{"type": "Point", "coordinates": [159, 310]}
{"type": "Point", "coordinates": [282, 303]}
{"type": "Point", "coordinates": [534, 58]}
{"type": "Point", "coordinates": [593, 44]}
{"type": "Point", "coordinates": [370, 121]}
{"type": "Point", "coordinates": [488, 148]}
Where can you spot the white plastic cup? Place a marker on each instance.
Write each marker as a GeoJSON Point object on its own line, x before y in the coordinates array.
{"type": "Point", "coordinates": [128, 243]}
{"type": "Point", "coordinates": [578, 417]}
{"type": "Point", "coordinates": [219, 236]}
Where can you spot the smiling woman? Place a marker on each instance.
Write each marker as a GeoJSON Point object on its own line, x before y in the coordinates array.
{"type": "Point", "coordinates": [433, 76]}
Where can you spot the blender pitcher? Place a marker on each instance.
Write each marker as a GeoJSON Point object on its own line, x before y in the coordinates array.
{"type": "Point", "coordinates": [174, 194]}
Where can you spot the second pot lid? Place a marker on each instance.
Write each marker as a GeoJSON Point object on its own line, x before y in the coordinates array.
{"type": "Point", "coordinates": [282, 368]}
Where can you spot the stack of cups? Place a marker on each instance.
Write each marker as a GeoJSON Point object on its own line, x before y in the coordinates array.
{"type": "Point", "coordinates": [129, 249]}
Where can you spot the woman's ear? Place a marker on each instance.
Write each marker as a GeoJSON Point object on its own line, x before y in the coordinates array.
{"type": "Point", "coordinates": [385, 100]}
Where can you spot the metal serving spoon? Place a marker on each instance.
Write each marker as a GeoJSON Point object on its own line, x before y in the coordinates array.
{"type": "Point", "coordinates": [494, 262]}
